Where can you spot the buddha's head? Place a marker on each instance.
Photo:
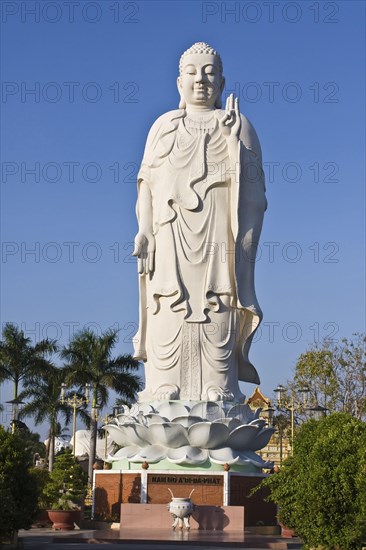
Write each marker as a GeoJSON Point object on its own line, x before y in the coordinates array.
{"type": "Point", "coordinates": [200, 81]}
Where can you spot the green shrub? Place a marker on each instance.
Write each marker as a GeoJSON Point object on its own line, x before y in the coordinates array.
{"type": "Point", "coordinates": [67, 485]}
{"type": "Point", "coordinates": [42, 477]}
{"type": "Point", "coordinates": [18, 487]}
{"type": "Point", "coordinates": [321, 489]}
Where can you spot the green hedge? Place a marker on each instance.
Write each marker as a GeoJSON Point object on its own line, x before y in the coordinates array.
{"type": "Point", "coordinates": [321, 489]}
{"type": "Point", "coordinates": [18, 487]}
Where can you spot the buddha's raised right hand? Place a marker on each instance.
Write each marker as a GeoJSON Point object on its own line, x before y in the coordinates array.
{"type": "Point", "coordinates": [230, 123]}
{"type": "Point", "coordinates": [145, 252]}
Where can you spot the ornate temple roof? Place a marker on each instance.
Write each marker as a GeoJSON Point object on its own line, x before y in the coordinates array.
{"type": "Point", "coordinates": [257, 399]}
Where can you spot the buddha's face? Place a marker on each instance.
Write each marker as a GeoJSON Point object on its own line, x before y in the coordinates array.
{"type": "Point", "coordinates": [201, 81]}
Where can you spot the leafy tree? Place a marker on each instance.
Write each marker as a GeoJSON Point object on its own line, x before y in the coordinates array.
{"type": "Point", "coordinates": [42, 477]}
{"type": "Point", "coordinates": [351, 372]}
{"type": "Point", "coordinates": [335, 374]}
{"type": "Point", "coordinates": [19, 359]}
{"type": "Point", "coordinates": [18, 488]}
{"type": "Point", "coordinates": [67, 483]}
{"type": "Point", "coordinates": [45, 404]}
{"type": "Point", "coordinates": [321, 489]}
{"type": "Point", "coordinates": [32, 445]}
{"type": "Point", "coordinates": [316, 368]}
{"type": "Point", "coordinates": [31, 441]}
{"type": "Point", "coordinates": [62, 431]}
{"type": "Point", "coordinates": [89, 360]}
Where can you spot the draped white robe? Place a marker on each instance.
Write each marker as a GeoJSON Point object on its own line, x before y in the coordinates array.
{"type": "Point", "coordinates": [198, 309]}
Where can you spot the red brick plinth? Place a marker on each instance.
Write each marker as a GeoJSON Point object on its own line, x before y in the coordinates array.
{"type": "Point", "coordinates": [211, 489]}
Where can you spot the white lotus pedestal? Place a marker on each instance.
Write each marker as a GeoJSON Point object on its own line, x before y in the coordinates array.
{"type": "Point", "coordinates": [180, 446]}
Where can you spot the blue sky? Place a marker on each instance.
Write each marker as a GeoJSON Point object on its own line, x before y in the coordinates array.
{"type": "Point", "coordinates": [101, 73]}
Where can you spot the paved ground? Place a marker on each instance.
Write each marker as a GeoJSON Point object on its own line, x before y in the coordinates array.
{"type": "Point", "coordinates": [44, 539]}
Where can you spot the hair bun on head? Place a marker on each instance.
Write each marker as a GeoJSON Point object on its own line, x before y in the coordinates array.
{"type": "Point", "coordinates": [200, 47]}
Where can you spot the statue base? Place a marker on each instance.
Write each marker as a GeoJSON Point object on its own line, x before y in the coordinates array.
{"type": "Point", "coordinates": [213, 490]}
{"type": "Point", "coordinates": [207, 448]}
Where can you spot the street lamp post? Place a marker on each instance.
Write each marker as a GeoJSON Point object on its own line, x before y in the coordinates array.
{"type": "Point", "coordinates": [75, 402]}
{"type": "Point", "coordinates": [318, 411]}
{"type": "Point", "coordinates": [269, 414]}
{"type": "Point", "coordinates": [14, 412]}
{"type": "Point", "coordinates": [291, 406]}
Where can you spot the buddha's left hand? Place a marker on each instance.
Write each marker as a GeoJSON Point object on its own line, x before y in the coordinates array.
{"type": "Point", "coordinates": [230, 123]}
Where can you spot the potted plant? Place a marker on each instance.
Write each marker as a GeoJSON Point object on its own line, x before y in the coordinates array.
{"type": "Point", "coordinates": [66, 490]}
{"type": "Point", "coordinates": [42, 477]}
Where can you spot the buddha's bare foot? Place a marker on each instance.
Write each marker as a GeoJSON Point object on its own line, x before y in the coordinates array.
{"type": "Point", "coordinates": [215, 393]}
{"type": "Point", "coordinates": [166, 392]}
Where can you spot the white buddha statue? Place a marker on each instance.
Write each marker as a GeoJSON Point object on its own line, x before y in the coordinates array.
{"type": "Point", "coordinates": [201, 200]}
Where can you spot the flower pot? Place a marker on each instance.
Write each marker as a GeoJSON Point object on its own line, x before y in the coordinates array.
{"type": "Point", "coordinates": [64, 519]}
{"type": "Point", "coordinates": [41, 519]}
{"type": "Point", "coordinates": [286, 532]}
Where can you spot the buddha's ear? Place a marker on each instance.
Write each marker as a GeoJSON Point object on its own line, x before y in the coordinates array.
{"type": "Point", "coordinates": [182, 102]}
{"type": "Point", "coordinates": [179, 86]}
{"type": "Point", "coordinates": [218, 102]}
{"type": "Point", "coordinates": [222, 86]}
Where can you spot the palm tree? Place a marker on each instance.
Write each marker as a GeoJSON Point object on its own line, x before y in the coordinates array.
{"type": "Point", "coordinates": [19, 359]}
{"type": "Point", "coordinates": [45, 405]}
{"type": "Point", "coordinates": [89, 360]}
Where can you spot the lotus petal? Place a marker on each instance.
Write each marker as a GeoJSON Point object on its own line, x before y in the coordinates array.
{"type": "Point", "coordinates": [187, 455]}
{"type": "Point", "coordinates": [225, 455]}
{"type": "Point", "coordinates": [231, 423]}
{"type": "Point", "coordinates": [117, 436]}
{"type": "Point", "coordinates": [167, 434]}
{"type": "Point", "coordinates": [135, 409]}
{"type": "Point", "coordinates": [152, 453]}
{"type": "Point", "coordinates": [249, 457]}
{"type": "Point", "coordinates": [242, 437]}
{"type": "Point", "coordinates": [145, 408]}
{"type": "Point", "coordinates": [125, 419]}
{"type": "Point", "coordinates": [260, 422]}
{"type": "Point", "coordinates": [141, 419]}
{"type": "Point", "coordinates": [261, 439]}
{"type": "Point", "coordinates": [208, 410]}
{"type": "Point", "coordinates": [153, 418]}
{"type": "Point", "coordinates": [128, 434]}
{"type": "Point", "coordinates": [126, 410]}
{"type": "Point", "coordinates": [208, 435]}
{"type": "Point", "coordinates": [187, 421]}
{"type": "Point", "coordinates": [112, 421]}
{"type": "Point", "coordinates": [257, 412]}
{"type": "Point", "coordinates": [243, 412]}
{"type": "Point", "coordinates": [172, 409]}
{"type": "Point", "coordinates": [126, 452]}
